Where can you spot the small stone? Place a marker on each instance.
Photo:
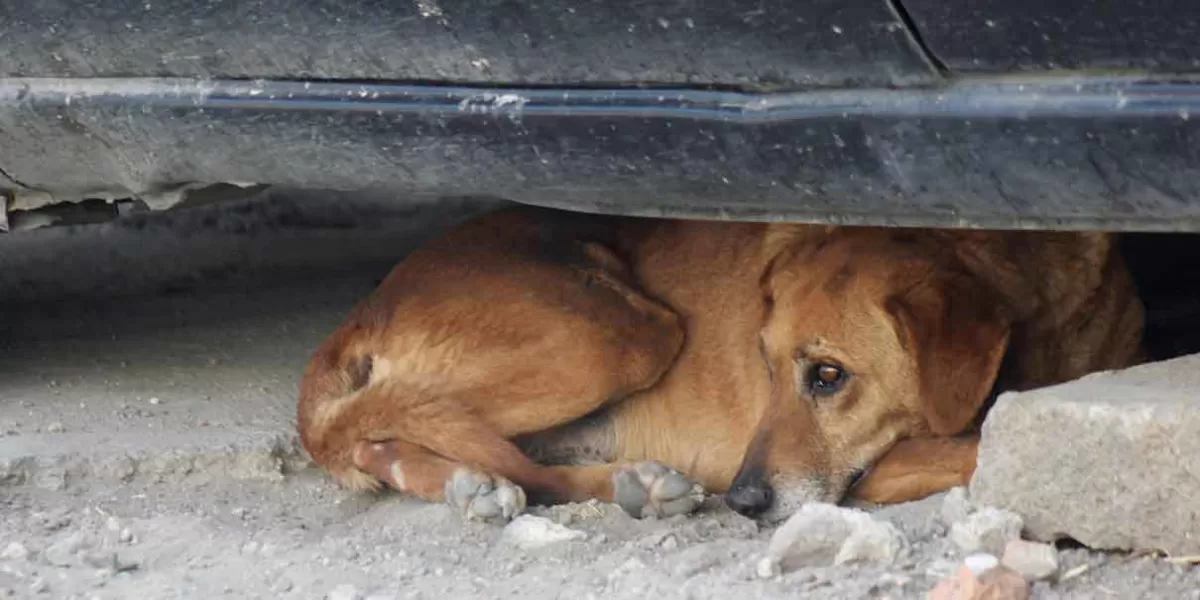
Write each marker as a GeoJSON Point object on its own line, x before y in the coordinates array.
{"type": "Point", "coordinates": [893, 580]}
{"type": "Point", "coordinates": [344, 591]}
{"type": "Point", "coordinates": [1032, 560]}
{"type": "Point", "coordinates": [155, 401]}
{"type": "Point", "coordinates": [768, 567]}
{"type": "Point", "coordinates": [822, 534]}
{"type": "Point", "coordinates": [14, 551]}
{"type": "Point", "coordinates": [63, 553]}
{"type": "Point", "coordinates": [101, 560]}
{"type": "Point", "coordinates": [530, 532]}
{"type": "Point", "coordinates": [55, 427]}
{"type": "Point", "coordinates": [980, 563]}
{"type": "Point", "coordinates": [39, 586]}
{"type": "Point", "coordinates": [986, 530]}
{"type": "Point", "coordinates": [53, 479]}
{"type": "Point", "coordinates": [126, 536]}
{"type": "Point", "coordinates": [956, 507]}
{"type": "Point", "coordinates": [996, 584]}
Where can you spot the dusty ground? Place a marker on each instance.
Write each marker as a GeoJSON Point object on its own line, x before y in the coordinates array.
{"type": "Point", "coordinates": [147, 449]}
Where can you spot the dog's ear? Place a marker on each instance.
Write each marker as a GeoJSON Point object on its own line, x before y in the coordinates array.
{"type": "Point", "coordinates": [785, 243]}
{"type": "Point", "coordinates": [958, 333]}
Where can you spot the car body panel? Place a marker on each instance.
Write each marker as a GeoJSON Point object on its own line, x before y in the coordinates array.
{"type": "Point", "coordinates": [1005, 36]}
{"type": "Point", "coordinates": [776, 44]}
{"type": "Point", "coordinates": [831, 111]}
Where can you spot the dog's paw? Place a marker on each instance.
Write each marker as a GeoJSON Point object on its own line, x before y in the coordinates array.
{"type": "Point", "coordinates": [484, 497]}
{"type": "Point", "coordinates": [654, 489]}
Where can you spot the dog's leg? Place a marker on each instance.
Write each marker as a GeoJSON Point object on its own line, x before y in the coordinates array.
{"type": "Point", "coordinates": [584, 453]}
{"type": "Point", "coordinates": [642, 489]}
{"type": "Point", "coordinates": [916, 468]}
{"type": "Point", "coordinates": [385, 422]}
{"type": "Point", "coordinates": [498, 343]}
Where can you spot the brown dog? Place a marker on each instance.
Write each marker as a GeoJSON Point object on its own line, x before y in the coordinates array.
{"type": "Point", "coordinates": [586, 357]}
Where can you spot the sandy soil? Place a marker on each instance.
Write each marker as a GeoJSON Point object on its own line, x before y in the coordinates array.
{"type": "Point", "coordinates": [149, 368]}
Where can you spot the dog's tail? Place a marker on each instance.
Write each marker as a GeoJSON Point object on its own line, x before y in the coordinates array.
{"type": "Point", "coordinates": [342, 406]}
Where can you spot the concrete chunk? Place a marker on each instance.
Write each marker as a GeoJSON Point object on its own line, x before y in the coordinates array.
{"type": "Point", "coordinates": [1111, 460]}
{"type": "Point", "coordinates": [821, 534]}
{"type": "Point", "coordinates": [987, 530]}
{"type": "Point", "coordinates": [1032, 560]}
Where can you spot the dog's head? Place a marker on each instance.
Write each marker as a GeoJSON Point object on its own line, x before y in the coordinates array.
{"type": "Point", "coordinates": [869, 336]}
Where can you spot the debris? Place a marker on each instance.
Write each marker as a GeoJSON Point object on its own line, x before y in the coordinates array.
{"type": "Point", "coordinates": [980, 563]}
{"type": "Point", "coordinates": [823, 534]}
{"type": "Point", "coordinates": [109, 561]}
{"type": "Point", "coordinates": [956, 506]}
{"type": "Point", "coordinates": [1185, 560]}
{"type": "Point", "coordinates": [39, 586]}
{"type": "Point", "coordinates": [63, 553]}
{"type": "Point", "coordinates": [1098, 459]}
{"type": "Point", "coordinates": [1075, 572]}
{"type": "Point", "coordinates": [986, 530]}
{"type": "Point", "coordinates": [344, 591]}
{"type": "Point", "coordinates": [998, 583]}
{"type": "Point", "coordinates": [1032, 560]}
{"type": "Point", "coordinates": [14, 551]}
{"type": "Point", "coordinates": [531, 532]}
{"type": "Point", "coordinates": [55, 427]}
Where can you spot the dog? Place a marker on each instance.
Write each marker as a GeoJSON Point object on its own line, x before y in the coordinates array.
{"type": "Point", "coordinates": [647, 361]}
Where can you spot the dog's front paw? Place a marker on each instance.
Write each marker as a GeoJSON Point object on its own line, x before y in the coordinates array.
{"type": "Point", "coordinates": [654, 489]}
{"type": "Point", "coordinates": [484, 497]}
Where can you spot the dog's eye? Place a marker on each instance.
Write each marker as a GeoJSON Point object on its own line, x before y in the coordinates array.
{"type": "Point", "coordinates": [825, 379]}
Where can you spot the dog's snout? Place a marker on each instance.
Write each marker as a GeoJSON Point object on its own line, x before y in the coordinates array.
{"type": "Point", "coordinates": [750, 499]}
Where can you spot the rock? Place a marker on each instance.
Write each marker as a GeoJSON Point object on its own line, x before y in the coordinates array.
{"type": "Point", "coordinates": [1100, 459]}
{"type": "Point", "coordinates": [281, 585]}
{"type": "Point", "coordinates": [996, 584]}
{"type": "Point", "coordinates": [1032, 560]}
{"type": "Point", "coordinates": [39, 586]}
{"type": "Point", "coordinates": [986, 530]}
{"type": "Point", "coordinates": [344, 591]}
{"type": "Point", "coordinates": [108, 561]}
{"type": "Point", "coordinates": [980, 563]}
{"type": "Point", "coordinates": [14, 551]}
{"type": "Point", "coordinates": [64, 552]}
{"type": "Point", "coordinates": [530, 532]}
{"type": "Point", "coordinates": [956, 506]}
{"type": "Point", "coordinates": [823, 534]}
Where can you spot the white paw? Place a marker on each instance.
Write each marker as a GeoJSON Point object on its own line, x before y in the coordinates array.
{"type": "Point", "coordinates": [653, 489]}
{"type": "Point", "coordinates": [484, 497]}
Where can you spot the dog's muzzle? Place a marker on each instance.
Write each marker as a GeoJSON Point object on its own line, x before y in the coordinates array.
{"type": "Point", "coordinates": [750, 498]}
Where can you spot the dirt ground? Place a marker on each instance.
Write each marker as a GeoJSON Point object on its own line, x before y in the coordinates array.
{"type": "Point", "coordinates": [148, 370]}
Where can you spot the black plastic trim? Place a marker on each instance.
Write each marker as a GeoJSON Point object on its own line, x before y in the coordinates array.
{"type": "Point", "coordinates": [1047, 152]}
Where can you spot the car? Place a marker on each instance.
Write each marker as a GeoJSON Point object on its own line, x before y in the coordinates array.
{"type": "Point", "coordinates": [990, 113]}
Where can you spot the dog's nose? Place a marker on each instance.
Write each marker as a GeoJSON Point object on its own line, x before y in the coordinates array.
{"type": "Point", "coordinates": [750, 499]}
